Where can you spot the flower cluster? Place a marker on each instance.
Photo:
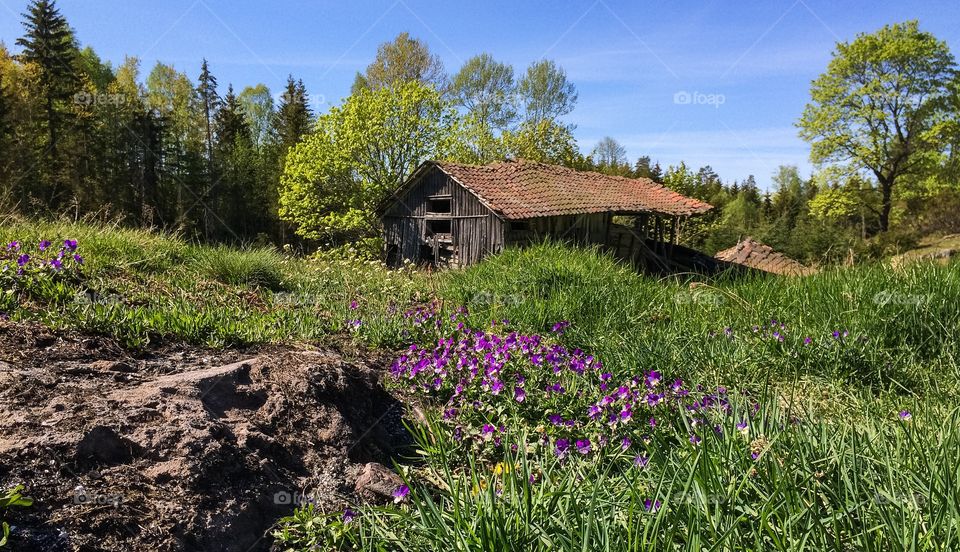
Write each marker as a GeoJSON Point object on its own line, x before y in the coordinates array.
{"type": "Point", "coordinates": [20, 261]}
{"type": "Point", "coordinates": [489, 384]}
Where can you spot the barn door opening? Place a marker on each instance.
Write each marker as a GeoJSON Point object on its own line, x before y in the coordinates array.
{"type": "Point", "coordinates": [438, 231]}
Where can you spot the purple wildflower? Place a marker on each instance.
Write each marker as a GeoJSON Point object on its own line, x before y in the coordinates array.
{"type": "Point", "coordinates": [561, 447]}
{"type": "Point", "coordinates": [583, 446]}
{"type": "Point", "coordinates": [625, 443]}
{"type": "Point", "coordinates": [44, 244]}
{"type": "Point", "coordinates": [56, 264]}
{"type": "Point", "coordinates": [348, 515]}
{"type": "Point", "coordinates": [354, 305]}
{"type": "Point", "coordinates": [695, 439]}
{"type": "Point", "coordinates": [641, 460]}
{"type": "Point", "coordinates": [23, 259]}
{"type": "Point", "coordinates": [401, 493]}
{"type": "Point", "coordinates": [70, 245]}
{"type": "Point", "coordinates": [905, 415]}
{"type": "Point", "coordinates": [519, 394]}
{"type": "Point", "coordinates": [651, 506]}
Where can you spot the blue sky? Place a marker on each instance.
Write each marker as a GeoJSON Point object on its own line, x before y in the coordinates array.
{"type": "Point", "coordinates": [707, 82]}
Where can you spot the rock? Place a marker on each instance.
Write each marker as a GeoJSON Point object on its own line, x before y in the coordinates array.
{"type": "Point", "coordinates": [377, 483]}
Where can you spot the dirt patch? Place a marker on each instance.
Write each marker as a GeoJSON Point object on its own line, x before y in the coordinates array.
{"type": "Point", "coordinates": [181, 448]}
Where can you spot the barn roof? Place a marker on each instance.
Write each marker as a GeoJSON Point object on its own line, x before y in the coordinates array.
{"type": "Point", "coordinates": [761, 256]}
{"type": "Point", "coordinates": [527, 189]}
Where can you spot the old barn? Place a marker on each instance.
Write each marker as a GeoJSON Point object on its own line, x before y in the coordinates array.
{"type": "Point", "coordinates": [450, 214]}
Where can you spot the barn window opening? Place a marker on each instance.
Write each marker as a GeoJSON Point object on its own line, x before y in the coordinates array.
{"type": "Point", "coordinates": [439, 206]}
{"type": "Point", "coordinates": [439, 226]}
{"type": "Point", "coordinates": [519, 225]}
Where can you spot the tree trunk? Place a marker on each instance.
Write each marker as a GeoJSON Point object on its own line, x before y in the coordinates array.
{"type": "Point", "coordinates": [886, 189]}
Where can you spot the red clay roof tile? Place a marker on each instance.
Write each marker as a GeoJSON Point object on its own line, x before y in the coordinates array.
{"type": "Point", "coordinates": [761, 256]}
{"type": "Point", "coordinates": [527, 189]}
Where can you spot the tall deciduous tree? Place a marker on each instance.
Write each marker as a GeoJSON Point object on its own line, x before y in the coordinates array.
{"type": "Point", "coordinates": [545, 93]}
{"type": "Point", "coordinates": [486, 89]}
{"type": "Point", "coordinates": [257, 104]}
{"type": "Point", "coordinates": [610, 156]}
{"type": "Point", "coordinates": [402, 60]}
{"type": "Point", "coordinates": [48, 43]}
{"type": "Point", "coordinates": [880, 105]}
{"type": "Point", "coordinates": [360, 153]}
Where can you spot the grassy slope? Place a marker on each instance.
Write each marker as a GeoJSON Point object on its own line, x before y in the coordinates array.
{"type": "Point", "coordinates": [901, 351]}
{"type": "Point", "coordinates": [147, 286]}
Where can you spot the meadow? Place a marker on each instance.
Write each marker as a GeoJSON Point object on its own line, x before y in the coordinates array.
{"type": "Point", "coordinates": [571, 403]}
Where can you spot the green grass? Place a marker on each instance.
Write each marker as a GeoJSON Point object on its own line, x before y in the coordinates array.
{"type": "Point", "coordinates": [817, 489]}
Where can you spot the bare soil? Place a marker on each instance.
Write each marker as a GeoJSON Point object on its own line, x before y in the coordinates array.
{"type": "Point", "coordinates": [180, 447]}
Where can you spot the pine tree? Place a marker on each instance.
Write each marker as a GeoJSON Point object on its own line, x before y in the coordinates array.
{"type": "Point", "coordinates": [231, 124]}
{"type": "Point", "coordinates": [293, 118]}
{"type": "Point", "coordinates": [210, 102]}
{"type": "Point", "coordinates": [49, 44]}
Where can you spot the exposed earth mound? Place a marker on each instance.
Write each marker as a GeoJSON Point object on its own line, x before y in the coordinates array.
{"type": "Point", "coordinates": [182, 448]}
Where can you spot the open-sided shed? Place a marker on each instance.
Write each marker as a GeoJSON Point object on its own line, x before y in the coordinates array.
{"type": "Point", "coordinates": [455, 214]}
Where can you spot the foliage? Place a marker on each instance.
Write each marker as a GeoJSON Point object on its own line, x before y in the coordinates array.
{"type": "Point", "coordinates": [881, 104]}
{"type": "Point", "coordinates": [545, 93]}
{"type": "Point", "coordinates": [359, 154]}
{"type": "Point", "coordinates": [43, 271]}
{"type": "Point", "coordinates": [11, 498]}
{"type": "Point", "coordinates": [403, 60]}
{"type": "Point", "coordinates": [486, 89]}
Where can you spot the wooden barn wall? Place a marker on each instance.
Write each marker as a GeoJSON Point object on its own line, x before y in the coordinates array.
{"type": "Point", "coordinates": [476, 231]}
{"type": "Point", "coordinates": [583, 229]}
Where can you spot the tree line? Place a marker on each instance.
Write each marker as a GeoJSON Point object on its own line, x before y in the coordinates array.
{"type": "Point", "coordinates": [187, 154]}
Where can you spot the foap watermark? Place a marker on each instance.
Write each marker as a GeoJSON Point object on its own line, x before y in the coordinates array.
{"type": "Point", "coordinates": [488, 298]}
{"type": "Point", "coordinates": [90, 297]}
{"type": "Point", "coordinates": [297, 299]}
{"type": "Point", "coordinates": [90, 99]}
{"type": "Point", "coordinates": [81, 496]}
{"type": "Point", "coordinates": [704, 297]}
{"type": "Point", "coordinates": [683, 97]}
{"type": "Point", "coordinates": [885, 298]}
{"type": "Point", "coordinates": [286, 498]}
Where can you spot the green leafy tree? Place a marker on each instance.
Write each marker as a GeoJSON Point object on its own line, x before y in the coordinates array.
{"type": "Point", "coordinates": [404, 59]}
{"type": "Point", "coordinates": [97, 71]}
{"type": "Point", "coordinates": [880, 106]}
{"type": "Point", "coordinates": [172, 96]}
{"type": "Point", "coordinates": [49, 45]}
{"type": "Point", "coordinates": [486, 89]}
{"type": "Point", "coordinates": [544, 141]}
{"type": "Point", "coordinates": [358, 155]}
{"type": "Point", "coordinates": [545, 93]}
{"type": "Point", "coordinates": [257, 105]}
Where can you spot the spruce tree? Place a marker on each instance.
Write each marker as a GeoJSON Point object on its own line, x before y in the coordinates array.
{"type": "Point", "coordinates": [49, 44]}
{"type": "Point", "coordinates": [209, 102]}
{"type": "Point", "coordinates": [293, 118]}
{"type": "Point", "coordinates": [231, 124]}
